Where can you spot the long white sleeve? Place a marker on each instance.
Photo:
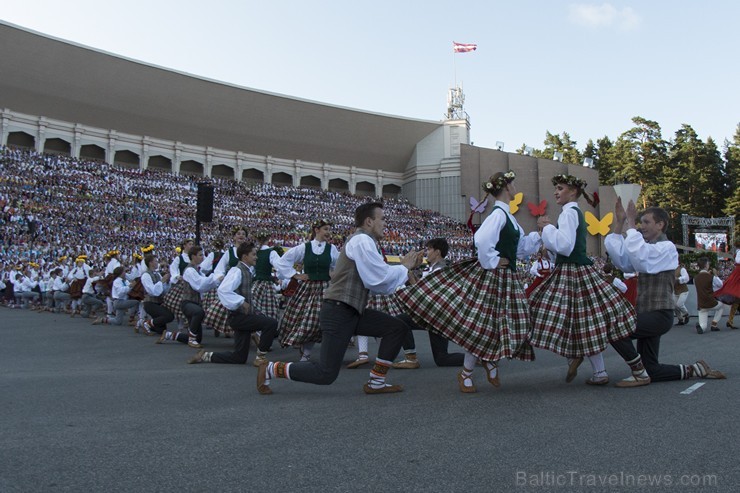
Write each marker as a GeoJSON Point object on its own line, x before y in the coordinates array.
{"type": "Point", "coordinates": [562, 239]}
{"type": "Point", "coordinates": [683, 278]}
{"type": "Point", "coordinates": [198, 282]}
{"type": "Point", "coordinates": [226, 292]}
{"type": "Point", "coordinates": [376, 275]}
{"type": "Point", "coordinates": [284, 266]}
{"type": "Point", "coordinates": [149, 286]}
{"type": "Point", "coordinates": [634, 254]}
{"type": "Point", "coordinates": [120, 289]}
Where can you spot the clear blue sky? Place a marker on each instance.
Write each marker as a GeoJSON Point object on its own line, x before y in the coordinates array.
{"type": "Point", "coordinates": [582, 67]}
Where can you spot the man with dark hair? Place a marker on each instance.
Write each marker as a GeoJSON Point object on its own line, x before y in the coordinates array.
{"type": "Point", "coordinates": [437, 249]}
{"type": "Point", "coordinates": [235, 293]}
{"type": "Point", "coordinates": [360, 268]}
{"type": "Point", "coordinates": [650, 253]}
{"type": "Point", "coordinates": [707, 282]}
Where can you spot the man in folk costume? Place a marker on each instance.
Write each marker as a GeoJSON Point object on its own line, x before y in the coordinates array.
{"type": "Point", "coordinates": [650, 253]}
{"type": "Point", "coordinates": [195, 284]}
{"type": "Point", "coordinates": [680, 293]}
{"type": "Point", "coordinates": [707, 282]}
{"type": "Point", "coordinates": [112, 264]}
{"type": "Point", "coordinates": [155, 286]}
{"type": "Point", "coordinates": [360, 268]}
{"type": "Point", "coordinates": [235, 293]}
{"type": "Point", "coordinates": [77, 278]}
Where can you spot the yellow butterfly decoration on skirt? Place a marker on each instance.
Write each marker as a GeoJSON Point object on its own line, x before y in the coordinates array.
{"type": "Point", "coordinates": [514, 204]}
{"type": "Point", "coordinates": [599, 227]}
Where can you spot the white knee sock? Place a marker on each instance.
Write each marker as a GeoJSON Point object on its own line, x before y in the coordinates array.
{"type": "Point", "coordinates": [597, 364]}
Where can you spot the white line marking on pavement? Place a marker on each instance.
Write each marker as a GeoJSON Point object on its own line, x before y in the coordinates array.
{"type": "Point", "coordinates": [694, 387]}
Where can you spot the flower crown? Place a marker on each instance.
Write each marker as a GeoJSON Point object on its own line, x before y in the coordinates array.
{"type": "Point", "coordinates": [81, 258]}
{"type": "Point", "coordinates": [178, 249]}
{"type": "Point", "coordinates": [137, 256]}
{"type": "Point", "coordinates": [147, 249]}
{"type": "Point", "coordinates": [320, 223]}
{"type": "Point", "coordinates": [261, 235]}
{"type": "Point", "coordinates": [499, 183]}
{"type": "Point", "coordinates": [113, 253]}
{"type": "Point", "coordinates": [33, 265]}
{"type": "Point", "coordinates": [568, 180]}
{"type": "Point", "coordinates": [62, 258]}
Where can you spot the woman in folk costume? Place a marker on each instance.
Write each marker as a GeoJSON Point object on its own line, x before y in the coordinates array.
{"type": "Point", "coordinates": [229, 258]}
{"type": "Point", "coordinates": [575, 312]}
{"type": "Point", "coordinates": [300, 323]}
{"type": "Point", "coordinates": [224, 260]}
{"type": "Point", "coordinates": [77, 278]}
{"type": "Point", "coordinates": [173, 299]}
{"type": "Point", "coordinates": [729, 294]}
{"type": "Point", "coordinates": [541, 268]}
{"type": "Point", "coordinates": [215, 314]}
{"type": "Point", "coordinates": [479, 303]}
{"type": "Point", "coordinates": [263, 288]}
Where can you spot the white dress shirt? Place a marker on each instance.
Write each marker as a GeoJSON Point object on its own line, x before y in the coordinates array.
{"type": "Point", "coordinates": [120, 289]}
{"type": "Point", "coordinates": [175, 266]}
{"type": "Point", "coordinates": [226, 292]}
{"type": "Point", "coordinates": [59, 284]}
{"type": "Point", "coordinates": [634, 254]}
{"type": "Point", "coordinates": [150, 287]}
{"type": "Point", "coordinates": [683, 277]}
{"type": "Point", "coordinates": [562, 239]}
{"type": "Point", "coordinates": [541, 264]}
{"type": "Point", "coordinates": [112, 266]}
{"type": "Point", "coordinates": [489, 234]}
{"type": "Point", "coordinates": [376, 275]}
{"type": "Point", "coordinates": [88, 288]}
{"type": "Point", "coordinates": [199, 282]}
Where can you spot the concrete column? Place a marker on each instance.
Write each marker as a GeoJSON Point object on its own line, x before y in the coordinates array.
{"type": "Point", "coordinates": [325, 178]}
{"type": "Point", "coordinates": [208, 168]}
{"type": "Point", "coordinates": [239, 169]}
{"type": "Point", "coordinates": [352, 180]}
{"type": "Point", "coordinates": [297, 173]}
{"type": "Point", "coordinates": [5, 127]}
{"type": "Point", "coordinates": [268, 172]}
{"type": "Point", "coordinates": [144, 160]}
{"type": "Point", "coordinates": [178, 158]}
{"type": "Point", "coordinates": [77, 141]}
{"type": "Point", "coordinates": [41, 136]}
{"type": "Point", "coordinates": [110, 152]}
{"type": "Point", "coordinates": [379, 184]}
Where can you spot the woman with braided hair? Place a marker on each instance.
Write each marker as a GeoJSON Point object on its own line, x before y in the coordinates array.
{"type": "Point", "coordinates": [299, 326]}
{"type": "Point", "coordinates": [479, 303]}
{"type": "Point", "coordinates": [575, 312]}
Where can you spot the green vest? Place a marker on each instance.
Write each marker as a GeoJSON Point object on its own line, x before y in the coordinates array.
{"type": "Point", "coordinates": [263, 269]}
{"type": "Point", "coordinates": [317, 266]}
{"type": "Point", "coordinates": [232, 257]}
{"type": "Point", "coordinates": [508, 241]}
{"type": "Point", "coordinates": [578, 255]}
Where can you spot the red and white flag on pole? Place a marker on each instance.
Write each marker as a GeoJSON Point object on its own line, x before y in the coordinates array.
{"type": "Point", "coordinates": [463, 47]}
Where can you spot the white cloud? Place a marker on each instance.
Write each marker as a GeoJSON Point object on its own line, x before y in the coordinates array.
{"type": "Point", "coordinates": [604, 16]}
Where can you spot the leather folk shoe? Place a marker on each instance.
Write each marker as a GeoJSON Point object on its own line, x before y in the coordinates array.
{"type": "Point", "coordinates": [573, 365]}
{"type": "Point", "coordinates": [466, 389]}
{"type": "Point", "coordinates": [263, 387]}
{"type": "Point", "coordinates": [197, 358]}
{"type": "Point", "coordinates": [633, 381]}
{"type": "Point", "coordinates": [386, 389]}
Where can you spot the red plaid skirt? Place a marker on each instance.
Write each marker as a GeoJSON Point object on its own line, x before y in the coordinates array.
{"type": "Point", "coordinates": [483, 311]}
{"type": "Point", "coordinates": [575, 312]}
{"type": "Point", "coordinates": [264, 298]}
{"type": "Point", "coordinates": [300, 322]}
{"type": "Point", "coordinates": [386, 303]}
{"type": "Point", "coordinates": [172, 299]}
{"type": "Point", "coordinates": [216, 313]}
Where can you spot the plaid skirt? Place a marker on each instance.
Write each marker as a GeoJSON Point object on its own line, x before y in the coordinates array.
{"type": "Point", "coordinates": [264, 299]}
{"type": "Point", "coordinates": [483, 311]}
{"type": "Point", "coordinates": [216, 314]}
{"type": "Point", "coordinates": [300, 322]}
{"type": "Point", "coordinates": [172, 300]}
{"type": "Point", "coordinates": [575, 312]}
{"type": "Point", "coordinates": [386, 303]}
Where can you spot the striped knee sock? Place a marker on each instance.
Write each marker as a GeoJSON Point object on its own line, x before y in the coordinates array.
{"type": "Point", "coordinates": [378, 373]}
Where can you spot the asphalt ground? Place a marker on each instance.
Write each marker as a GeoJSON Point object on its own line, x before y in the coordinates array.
{"type": "Point", "coordinates": [100, 408]}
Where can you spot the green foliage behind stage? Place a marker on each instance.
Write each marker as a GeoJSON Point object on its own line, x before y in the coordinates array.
{"type": "Point", "coordinates": [684, 175]}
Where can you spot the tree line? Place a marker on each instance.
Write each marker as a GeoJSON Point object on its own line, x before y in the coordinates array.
{"type": "Point", "coordinates": [684, 175]}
